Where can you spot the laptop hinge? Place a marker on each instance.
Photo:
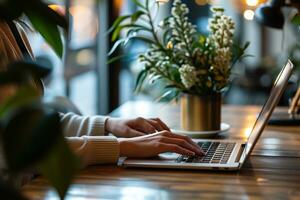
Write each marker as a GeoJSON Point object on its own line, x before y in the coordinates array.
{"type": "Point", "coordinates": [238, 157]}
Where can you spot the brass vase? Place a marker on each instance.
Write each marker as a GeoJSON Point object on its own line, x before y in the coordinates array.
{"type": "Point", "coordinates": [201, 113]}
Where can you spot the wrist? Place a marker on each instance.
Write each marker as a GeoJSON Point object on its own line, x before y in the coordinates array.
{"type": "Point", "coordinates": [122, 143]}
{"type": "Point", "coordinates": [123, 146]}
{"type": "Point", "coordinates": [107, 126]}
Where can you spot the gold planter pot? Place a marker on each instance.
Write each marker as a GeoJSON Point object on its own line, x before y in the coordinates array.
{"type": "Point", "coordinates": [201, 113]}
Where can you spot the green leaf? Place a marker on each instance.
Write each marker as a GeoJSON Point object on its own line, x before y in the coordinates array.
{"type": "Point", "coordinates": [29, 134]}
{"type": "Point", "coordinates": [117, 44]}
{"type": "Point", "coordinates": [140, 80]}
{"type": "Point", "coordinates": [144, 39]}
{"type": "Point", "coordinates": [169, 95]}
{"type": "Point", "coordinates": [118, 30]}
{"type": "Point", "coordinates": [147, 4]}
{"type": "Point", "coordinates": [296, 19]}
{"type": "Point", "coordinates": [136, 16]}
{"type": "Point", "coordinates": [124, 56]}
{"type": "Point", "coordinates": [247, 44]}
{"type": "Point", "coordinates": [48, 29]}
{"type": "Point", "coordinates": [175, 75]}
{"type": "Point", "coordinates": [59, 166]}
{"type": "Point", "coordinates": [118, 21]}
{"type": "Point", "coordinates": [202, 39]}
{"type": "Point", "coordinates": [166, 36]}
{"type": "Point", "coordinates": [114, 59]}
{"type": "Point", "coordinates": [133, 31]}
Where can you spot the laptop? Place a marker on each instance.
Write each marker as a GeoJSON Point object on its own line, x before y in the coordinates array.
{"type": "Point", "coordinates": [221, 154]}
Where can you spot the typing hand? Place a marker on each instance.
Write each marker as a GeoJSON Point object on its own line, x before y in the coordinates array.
{"type": "Point", "coordinates": [154, 144]}
{"type": "Point", "coordinates": [134, 127]}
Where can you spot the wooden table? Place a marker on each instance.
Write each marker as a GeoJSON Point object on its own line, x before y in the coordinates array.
{"type": "Point", "coordinates": [272, 172]}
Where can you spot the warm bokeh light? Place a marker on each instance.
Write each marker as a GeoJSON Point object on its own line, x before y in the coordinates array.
{"type": "Point", "coordinates": [57, 8]}
{"type": "Point", "coordinates": [85, 57]}
{"type": "Point", "coordinates": [162, 1]}
{"type": "Point", "coordinates": [247, 132]}
{"type": "Point", "coordinates": [252, 2]}
{"type": "Point", "coordinates": [249, 14]}
{"type": "Point", "coordinates": [243, 5]}
{"type": "Point", "coordinates": [201, 2]}
{"type": "Point", "coordinates": [85, 21]}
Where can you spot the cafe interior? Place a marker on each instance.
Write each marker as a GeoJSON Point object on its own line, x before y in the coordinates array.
{"type": "Point", "coordinates": [269, 47]}
{"type": "Point", "coordinates": [110, 66]}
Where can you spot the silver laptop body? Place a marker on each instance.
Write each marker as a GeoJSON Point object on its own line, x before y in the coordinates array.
{"type": "Point", "coordinates": [222, 154]}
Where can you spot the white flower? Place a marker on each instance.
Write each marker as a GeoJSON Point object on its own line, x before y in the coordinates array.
{"type": "Point", "coordinates": [188, 75]}
{"type": "Point", "coordinates": [222, 28]}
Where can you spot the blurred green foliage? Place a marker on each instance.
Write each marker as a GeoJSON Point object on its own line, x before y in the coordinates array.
{"type": "Point", "coordinates": [30, 131]}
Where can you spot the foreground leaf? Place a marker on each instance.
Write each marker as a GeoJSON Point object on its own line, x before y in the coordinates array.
{"type": "Point", "coordinates": [10, 10]}
{"type": "Point", "coordinates": [7, 191]}
{"type": "Point", "coordinates": [59, 166]}
{"type": "Point", "coordinates": [48, 28]}
{"type": "Point", "coordinates": [29, 135]}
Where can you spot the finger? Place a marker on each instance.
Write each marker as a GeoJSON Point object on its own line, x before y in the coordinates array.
{"type": "Point", "coordinates": [162, 124]}
{"type": "Point", "coordinates": [183, 137]}
{"type": "Point", "coordinates": [148, 127]}
{"type": "Point", "coordinates": [182, 143]}
{"type": "Point", "coordinates": [157, 126]}
{"type": "Point", "coordinates": [145, 126]}
{"type": "Point", "coordinates": [134, 133]}
{"type": "Point", "coordinates": [176, 149]}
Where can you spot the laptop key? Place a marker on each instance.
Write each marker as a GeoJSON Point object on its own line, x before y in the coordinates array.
{"type": "Point", "coordinates": [216, 152]}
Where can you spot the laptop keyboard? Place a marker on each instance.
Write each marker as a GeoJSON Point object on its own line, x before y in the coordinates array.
{"type": "Point", "coordinates": [216, 152]}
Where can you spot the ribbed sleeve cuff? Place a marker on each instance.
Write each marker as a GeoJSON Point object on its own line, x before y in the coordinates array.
{"type": "Point", "coordinates": [101, 150]}
{"type": "Point", "coordinates": [97, 126]}
{"type": "Point", "coordinates": [75, 125]}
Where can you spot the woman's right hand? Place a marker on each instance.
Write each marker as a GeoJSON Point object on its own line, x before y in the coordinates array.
{"type": "Point", "coordinates": [156, 143]}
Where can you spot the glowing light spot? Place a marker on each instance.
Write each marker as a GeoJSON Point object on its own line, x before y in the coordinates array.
{"type": "Point", "coordinates": [249, 14]}
{"type": "Point", "coordinates": [247, 132]}
{"type": "Point", "coordinates": [57, 8]}
{"type": "Point", "coordinates": [85, 57]}
{"type": "Point", "coordinates": [252, 2]}
{"type": "Point", "coordinates": [162, 1]}
{"type": "Point", "coordinates": [201, 2]}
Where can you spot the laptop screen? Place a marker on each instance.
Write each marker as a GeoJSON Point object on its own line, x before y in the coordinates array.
{"type": "Point", "coordinates": [275, 95]}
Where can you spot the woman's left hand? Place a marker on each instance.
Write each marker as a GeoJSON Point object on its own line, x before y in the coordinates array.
{"type": "Point", "coordinates": [134, 127]}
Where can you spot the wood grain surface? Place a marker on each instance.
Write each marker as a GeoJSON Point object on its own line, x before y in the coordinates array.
{"type": "Point", "coordinates": [272, 172]}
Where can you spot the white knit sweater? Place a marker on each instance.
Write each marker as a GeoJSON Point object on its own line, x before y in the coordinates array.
{"type": "Point", "coordinates": [87, 137]}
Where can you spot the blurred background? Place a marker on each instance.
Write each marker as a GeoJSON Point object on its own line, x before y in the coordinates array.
{"type": "Point", "coordinates": [98, 87]}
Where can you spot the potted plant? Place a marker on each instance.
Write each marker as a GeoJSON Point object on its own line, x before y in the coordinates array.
{"type": "Point", "coordinates": [196, 68]}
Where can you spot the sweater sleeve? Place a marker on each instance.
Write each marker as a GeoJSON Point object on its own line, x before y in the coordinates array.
{"type": "Point", "coordinates": [86, 137]}
{"type": "Point", "coordinates": [76, 125]}
{"type": "Point", "coordinates": [95, 149]}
